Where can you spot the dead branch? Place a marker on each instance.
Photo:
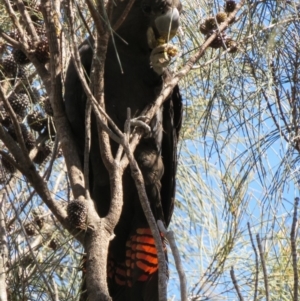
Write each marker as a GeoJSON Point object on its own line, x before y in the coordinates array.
{"type": "Point", "coordinates": [88, 111]}
{"type": "Point", "coordinates": [180, 270]}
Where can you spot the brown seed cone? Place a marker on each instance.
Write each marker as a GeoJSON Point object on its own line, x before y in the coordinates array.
{"type": "Point", "coordinates": [221, 17]}
{"type": "Point", "coordinates": [22, 73]}
{"type": "Point", "coordinates": [38, 214]}
{"type": "Point", "coordinates": [41, 31]}
{"type": "Point", "coordinates": [40, 222]}
{"type": "Point", "coordinates": [19, 103]}
{"type": "Point", "coordinates": [30, 229]}
{"type": "Point", "coordinates": [20, 57]}
{"type": "Point", "coordinates": [233, 45]}
{"type": "Point", "coordinates": [210, 23]}
{"type": "Point", "coordinates": [230, 6]}
{"type": "Point", "coordinates": [27, 136]}
{"type": "Point", "coordinates": [203, 29]}
{"type": "Point", "coordinates": [8, 67]}
{"type": "Point", "coordinates": [36, 121]}
{"type": "Point", "coordinates": [53, 244]}
{"type": "Point", "coordinates": [10, 168]}
{"type": "Point", "coordinates": [5, 119]}
{"type": "Point", "coordinates": [219, 40]}
{"type": "Point", "coordinates": [42, 51]}
{"type": "Point", "coordinates": [47, 106]}
{"type": "Point", "coordinates": [77, 213]}
{"type": "Point", "coordinates": [3, 176]}
{"type": "Point", "coordinates": [216, 43]}
{"type": "Point", "coordinates": [29, 141]}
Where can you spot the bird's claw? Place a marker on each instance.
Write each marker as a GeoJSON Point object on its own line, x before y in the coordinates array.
{"type": "Point", "coordinates": [161, 56]}
{"type": "Point", "coordinates": [140, 122]}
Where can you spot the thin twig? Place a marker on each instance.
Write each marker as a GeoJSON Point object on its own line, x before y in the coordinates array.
{"type": "Point", "coordinates": [55, 290]}
{"type": "Point", "coordinates": [98, 67]}
{"type": "Point", "coordinates": [140, 185]}
{"type": "Point", "coordinates": [84, 22]}
{"type": "Point", "coordinates": [27, 20]}
{"type": "Point", "coordinates": [87, 148]}
{"type": "Point", "coordinates": [47, 173]}
{"type": "Point", "coordinates": [256, 263]}
{"type": "Point", "coordinates": [15, 20]}
{"type": "Point", "coordinates": [236, 286]}
{"type": "Point", "coordinates": [3, 250]}
{"type": "Point", "coordinates": [179, 267]}
{"type": "Point", "coordinates": [294, 250]}
{"type": "Point", "coordinates": [277, 96]}
{"type": "Point", "coordinates": [95, 15]}
{"type": "Point", "coordinates": [264, 268]}
{"type": "Point", "coordinates": [24, 205]}
{"type": "Point", "coordinates": [9, 39]}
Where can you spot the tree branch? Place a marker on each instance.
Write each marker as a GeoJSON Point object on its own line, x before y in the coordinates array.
{"type": "Point", "coordinates": [264, 268]}
{"type": "Point", "coordinates": [3, 250]}
{"type": "Point", "coordinates": [294, 250]}
{"type": "Point", "coordinates": [63, 128]}
{"type": "Point", "coordinates": [140, 185]}
{"type": "Point", "coordinates": [27, 20]}
{"type": "Point", "coordinates": [256, 263]}
{"type": "Point", "coordinates": [169, 235]}
{"type": "Point", "coordinates": [236, 286]}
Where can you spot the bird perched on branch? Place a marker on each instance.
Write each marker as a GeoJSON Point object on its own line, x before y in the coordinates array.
{"type": "Point", "coordinates": [132, 262]}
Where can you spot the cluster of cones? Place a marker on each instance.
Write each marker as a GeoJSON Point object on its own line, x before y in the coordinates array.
{"type": "Point", "coordinates": [210, 26]}
{"type": "Point", "coordinates": [32, 111]}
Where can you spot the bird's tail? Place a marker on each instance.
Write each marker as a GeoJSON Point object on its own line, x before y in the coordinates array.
{"type": "Point", "coordinates": [137, 277]}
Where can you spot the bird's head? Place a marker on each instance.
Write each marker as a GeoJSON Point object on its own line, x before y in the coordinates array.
{"type": "Point", "coordinates": [165, 20]}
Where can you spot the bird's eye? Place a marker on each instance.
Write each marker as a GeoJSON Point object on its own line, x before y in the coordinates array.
{"type": "Point", "coordinates": [162, 10]}
{"type": "Point", "coordinates": [146, 8]}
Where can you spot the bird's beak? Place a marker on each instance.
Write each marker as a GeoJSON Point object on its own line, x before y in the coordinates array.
{"type": "Point", "coordinates": [168, 23]}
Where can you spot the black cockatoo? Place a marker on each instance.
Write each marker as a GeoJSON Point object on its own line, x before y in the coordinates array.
{"type": "Point", "coordinates": [132, 262]}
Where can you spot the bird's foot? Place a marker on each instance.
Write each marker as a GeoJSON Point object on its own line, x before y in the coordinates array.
{"type": "Point", "coordinates": [161, 56]}
{"type": "Point", "coordinates": [140, 122]}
